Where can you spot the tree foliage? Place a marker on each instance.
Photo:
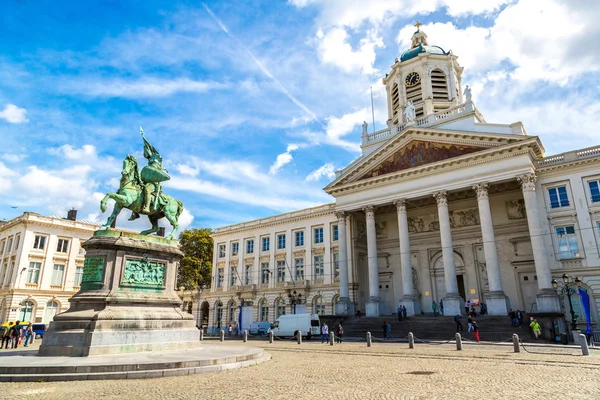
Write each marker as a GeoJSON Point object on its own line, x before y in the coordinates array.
{"type": "Point", "coordinates": [196, 266]}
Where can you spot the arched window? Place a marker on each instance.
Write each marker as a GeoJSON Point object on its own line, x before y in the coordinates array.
{"type": "Point", "coordinates": [51, 309]}
{"type": "Point", "coordinates": [204, 310]}
{"type": "Point", "coordinates": [218, 314]}
{"type": "Point", "coordinates": [395, 98]}
{"type": "Point", "coordinates": [279, 307]}
{"type": "Point", "coordinates": [415, 94]}
{"type": "Point", "coordinates": [26, 312]}
{"type": "Point", "coordinates": [231, 311]}
{"type": "Point", "coordinates": [439, 85]}
{"type": "Point", "coordinates": [319, 305]}
{"type": "Point", "coordinates": [3, 310]}
{"type": "Point", "coordinates": [263, 310]}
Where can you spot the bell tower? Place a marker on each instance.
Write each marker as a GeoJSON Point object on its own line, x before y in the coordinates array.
{"type": "Point", "coordinates": [428, 76]}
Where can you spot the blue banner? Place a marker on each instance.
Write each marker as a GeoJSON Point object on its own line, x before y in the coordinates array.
{"type": "Point", "coordinates": [240, 320]}
{"type": "Point", "coordinates": [585, 302]}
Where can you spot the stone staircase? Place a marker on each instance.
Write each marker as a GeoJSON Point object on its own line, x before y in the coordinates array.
{"type": "Point", "coordinates": [427, 327]}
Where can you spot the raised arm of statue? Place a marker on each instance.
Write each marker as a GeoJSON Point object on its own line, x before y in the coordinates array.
{"type": "Point", "coordinates": [150, 153]}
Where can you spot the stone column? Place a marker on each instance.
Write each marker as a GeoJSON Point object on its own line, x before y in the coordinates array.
{"type": "Point", "coordinates": [409, 300]}
{"type": "Point", "coordinates": [373, 302]}
{"type": "Point", "coordinates": [547, 299]}
{"type": "Point", "coordinates": [343, 306]}
{"type": "Point", "coordinates": [452, 302]}
{"type": "Point", "coordinates": [496, 300]}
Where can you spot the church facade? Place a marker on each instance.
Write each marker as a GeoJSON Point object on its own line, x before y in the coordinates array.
{"type": "Point", "coordinates": [440, 206]}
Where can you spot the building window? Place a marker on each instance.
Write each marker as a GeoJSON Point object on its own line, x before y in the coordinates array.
{"type": "Point", "coordinates": [33, 272]}
{"type": "Point", "coordinates": [280, 271]}
{"type": "Point", "coordinates": [2, 247]}
{"type": "Point", "coordinates": [62, 246]}
{"type": "Point", "coordinates": [17, 241]}
{"type": "Point", "coordinates": [39, 242]}
{"type": "Point", "coordinates": [250, 246]}
{"type": "Point", "coordinates": [220, 277]}
{"type": "Point", "coordinates": [318, 235]}
{"type": "Point", "coordinates": [281, 241]}
{"type": "Point", "coordinates": [231, 312]}
{"type": "Point", "coordinates": [78, 275]}
{"type": "Point", "coordinates": [264, 273]}
{"type": "Point", "coordinates": [218, 314]}
{"type": "Point", "coordinates": [336, 265]}
{"type": "Point", "coordinates": [319, 306]}
{"type": "Point", "coordinates": [9, 247]}
{"type": "Point", "coordinates": [336, 234]}
{"type": "Point", "coordinates": [299, 264]}
{"type": "Point", "coordinates": [26, 312]}
{"type": "Point", "coordinates": [558, 197]}
{"type": "Point", "coordinates": [4, 270]}
{"type": "Point", "coordinates": [264, 312]}
{"type": "Point", "coordinates": [595, 190]}
{"type": "Point", "coordinates": [57, 274]}
{"type": "Point", "coordinates": [319, 270]}
{"type": "Point", "coordinates": [221, 251]}
{"type": "Point", "coordinates": [280, 307]}
{"type": "Point", "coordinates": [233, 276]}
{"type": "Point", "coordinates": [235, 247]}
{"type": "Point", "coordinates": [247, 274]}
{"type": "Point", "coordinates": [566, 242]}
{"type": "Point", "coordinates": [51, 310]}
{"type": "Point", "coordinates": [299, 238]}
{"type": "Point", "coordinates": [266, 243]}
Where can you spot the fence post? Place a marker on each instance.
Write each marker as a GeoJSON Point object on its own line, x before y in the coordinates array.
{"type": "Point", "coordinates": [299, 337]}
{"type": "Point", "coordinates": [222, 338]}
{"type": "Point", "coordinates": [368, 339]}
{"type": "Point", "coordinates": [584, 345]}
{"type": "Point", "coordinates": [245, 336]}
{"type": "Point", "coordinates": [516, 345]}
{"type": "Point", "coordinates": [411, 340]}
{"type": "Point", "coordinates": [331, 338]}
{"type": "Point", "coordinates": [271, 334]}
{"type": "Point", "coordinates": [458, 341]}
{"type": "Point", "coordinates": [201, 334]}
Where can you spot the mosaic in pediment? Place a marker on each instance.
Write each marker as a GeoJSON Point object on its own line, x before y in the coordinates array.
{"type": "Point", "coordinates": [419, 153]}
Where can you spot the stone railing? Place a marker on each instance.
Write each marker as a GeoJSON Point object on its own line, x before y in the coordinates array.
{"type": "Point", "coordinates": [449, 112]}
{"type": "Point", "coordinates": [569, 156]}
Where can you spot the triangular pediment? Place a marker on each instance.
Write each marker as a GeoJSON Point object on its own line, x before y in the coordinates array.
{"type": "Point", "coordinates": [417, 149]}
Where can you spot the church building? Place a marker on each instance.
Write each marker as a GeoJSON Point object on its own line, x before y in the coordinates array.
{"type": "Point", "coordinates": [440, 206]}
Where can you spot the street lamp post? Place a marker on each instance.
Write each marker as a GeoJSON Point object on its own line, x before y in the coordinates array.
{"type": "Point", "coordinates": [295, 298]}
{"type": "Point", "coordinates": [566, 290]}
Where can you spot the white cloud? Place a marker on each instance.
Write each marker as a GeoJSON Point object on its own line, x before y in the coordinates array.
{"type": "Point", "coordinates": [326, 170]}
{"type": "Point", "coordinates": [187, 170]}
{"type": "Point", "coordinates": [283, 159]}
{"type": "Point", "coordinates": [13, 158]}
{"type": "Point", "coordinates": [5, 175]}
{"type": "Point", "coordinates": [13, 114]}
{"type": "Point", "coordinates": [146, 87]}
{"type": "Point", "coordinates": [334, 49]}
{"type": "Point", "coordinates": [87, 152]}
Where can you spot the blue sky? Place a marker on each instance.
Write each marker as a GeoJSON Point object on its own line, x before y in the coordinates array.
{"type": "Point", "coordinates": [254, 104]}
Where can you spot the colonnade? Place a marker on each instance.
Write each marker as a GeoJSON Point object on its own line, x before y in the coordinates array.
{"type": "Point", "coordinates": [496, 300]}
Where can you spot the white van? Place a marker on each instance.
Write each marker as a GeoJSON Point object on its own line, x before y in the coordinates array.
{"type": "Point", "coordinates": [288, 325]}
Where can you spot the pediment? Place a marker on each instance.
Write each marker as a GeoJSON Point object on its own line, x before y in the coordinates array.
{"type": "Point", "coordinates": [417, 153]}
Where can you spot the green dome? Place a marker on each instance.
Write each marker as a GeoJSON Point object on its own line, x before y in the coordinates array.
{"type": "Point", "coordinates": [412, 53]}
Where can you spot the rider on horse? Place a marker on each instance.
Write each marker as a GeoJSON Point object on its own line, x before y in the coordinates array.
{"type": "Point", "coordinates": [152, 175]}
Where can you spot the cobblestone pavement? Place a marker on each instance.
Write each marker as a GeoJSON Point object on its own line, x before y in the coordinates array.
{"type": "Point", "coordinates": [353, 371]}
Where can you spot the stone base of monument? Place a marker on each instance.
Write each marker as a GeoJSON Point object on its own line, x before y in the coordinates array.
{"type": "Point", "coordinates": [127, 302]}
{"type": "Point", "coordinates": [26, 367]}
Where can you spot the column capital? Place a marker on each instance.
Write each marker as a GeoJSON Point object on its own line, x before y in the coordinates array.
{"type": "Point", "coordinates": [441, 197]}
{"type": "Point", "coordinates": [482, 190]}
{"type": "Point", "coordinates": [527, 182]}
{"type": "Point", "coordinates": [369, 211]}
{"type": "Point", "coordinates": [400, 205]}
{"type": "Point", "coordinates": [341, 216]}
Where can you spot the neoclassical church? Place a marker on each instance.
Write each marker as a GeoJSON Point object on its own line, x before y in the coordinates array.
{"type": "Point", "coordinates": [440, 206]}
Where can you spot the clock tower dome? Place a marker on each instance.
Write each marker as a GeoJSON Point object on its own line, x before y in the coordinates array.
{"type": "Point", "coordinates": [427, 76]}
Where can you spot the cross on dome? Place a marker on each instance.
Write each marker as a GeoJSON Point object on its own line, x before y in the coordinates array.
{"type": "Point", "coordinates": [418, 24]}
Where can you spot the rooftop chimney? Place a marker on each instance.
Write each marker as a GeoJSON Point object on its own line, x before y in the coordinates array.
{"type": "Point", "coordinates": [72, 214]}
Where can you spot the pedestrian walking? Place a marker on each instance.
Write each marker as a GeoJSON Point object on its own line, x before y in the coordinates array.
{"type": "Point", "coordinates": [473, 312]}
{"type": "Point", "coordinates": [442, 306]}
{"type": "Point", "coordinates": [6, 336]}
{"type": "Point", "coordinates": [340, 332]}
{"type": "Point", "coordinates": [399, 312]}
{"type": "Point", "coordinates": [229, 330]}
{"type": "Point", "coordinates": [483, 309]}
{"type": "Point", "coordinates": [467, 305]}
{"type": "Point", "coordinates": [469, 323]}
{"type": "Point", "coordinates": [404, 312]}
{"type": "Point", "coordinates": [476, 330]}
{"type": "Point", "coordinates": [519, 318]}
{"type": "Point", "coordinates": [385, 329]}
{"type": "Point", "coordinates": [537, 329]}
{"type": "Point", "coordinates": [27, 333]}
{"type": "Point", "coordinates": [15, 334]}
{"type": "Point", "coordinates": [513, 317]}
{"type": "Point", "coordinates": [324, 333]}
{"type": "Point", "coordinates": [435, 309]}
{"type": "Point", "coordinates": [389, 331]}
{"type": "Point", "coordinates": [457, 319]}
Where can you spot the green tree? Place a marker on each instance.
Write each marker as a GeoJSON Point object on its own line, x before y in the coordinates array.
{"type": "Point", "coordinates": [196, 265]}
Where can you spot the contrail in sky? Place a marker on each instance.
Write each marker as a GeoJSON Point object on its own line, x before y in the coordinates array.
{"type": "Point", "coordinates": [262, 67]}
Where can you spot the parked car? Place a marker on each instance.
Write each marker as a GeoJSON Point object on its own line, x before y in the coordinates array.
{"type": "Point", "coordinates": [38, 330]}
{"type": "Point", "coordinates": [289, 325]}
{"type": "Point", "coordinates": [260, 328]}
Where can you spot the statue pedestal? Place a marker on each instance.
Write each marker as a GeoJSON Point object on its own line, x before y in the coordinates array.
{"type": "Point", "coordinates": [127, 302]}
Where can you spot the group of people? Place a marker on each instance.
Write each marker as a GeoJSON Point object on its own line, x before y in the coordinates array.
{"type": "Point", "coordinates": [472, 324]}
{"type": "Point", "coordinates": [516, 318]}
{"type": "Point", "coordinates": [339, 332]}
{"type": "Point", "coordinates": [401, 313]}
{"type": "Point", "coordinates": [387, 330]}
{"type": "Point", "coordinates": [14, 334]}
{"type": "Point", "coordinates": [434, 307]}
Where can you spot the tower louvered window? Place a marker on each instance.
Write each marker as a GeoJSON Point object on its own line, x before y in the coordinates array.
{"type": "Point", "coordinates": [415, 94]}
{"type": "Point", "coordinates": [395, 103]}
{"type": "Point", "coordinates": [439, 85]}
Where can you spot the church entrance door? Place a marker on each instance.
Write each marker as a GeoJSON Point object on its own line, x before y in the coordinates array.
{"type": "Point", "coordinates": [461, 286]}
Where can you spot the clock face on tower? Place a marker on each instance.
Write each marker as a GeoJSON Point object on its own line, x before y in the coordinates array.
{"type": "Point", "coordinates": [412, 79]}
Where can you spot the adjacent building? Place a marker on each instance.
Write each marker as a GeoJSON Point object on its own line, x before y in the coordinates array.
{"type": "Point", "coordinates": [440, 206]}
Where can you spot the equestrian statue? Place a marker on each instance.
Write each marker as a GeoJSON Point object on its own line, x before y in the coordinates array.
{"type": "Point", "coordinates": [142, 192]}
